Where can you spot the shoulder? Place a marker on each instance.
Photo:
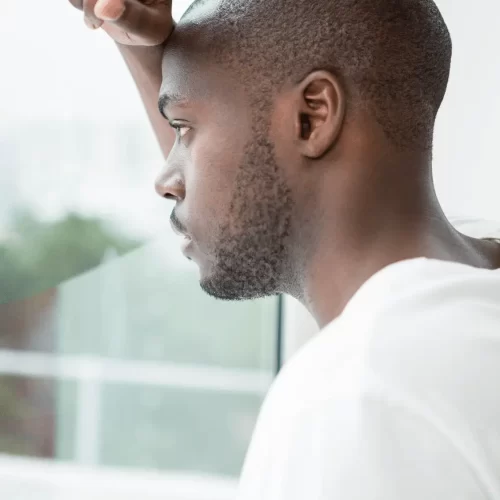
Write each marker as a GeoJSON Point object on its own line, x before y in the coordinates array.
{"type": "Point", "coordinates": [427, 328]}
{"type": "Point", "coordinates": [420, 321]}
{"type": "Point", "coordinates": [432, 336]}
{"type": "Point", "coordinates": [407, 375]}
{"type": "Point", "coordinates": [476, 227]}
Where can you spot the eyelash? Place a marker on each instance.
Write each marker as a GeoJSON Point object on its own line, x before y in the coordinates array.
{"type": "Point", "coordinates": [177, 128]}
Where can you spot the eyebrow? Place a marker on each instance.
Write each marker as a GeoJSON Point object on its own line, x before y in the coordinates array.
{"type": "Point", "coordinates": [170, 99]}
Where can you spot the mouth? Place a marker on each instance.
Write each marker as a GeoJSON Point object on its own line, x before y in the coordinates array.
{"type": "Point", "coordinates": [186, 244]}
{"type": "Point", "coordinates": [177, 226]}
{"type": "Point", "coordinates": [180, 230]}
{"type": "Point", "coordinates": [176, 230]}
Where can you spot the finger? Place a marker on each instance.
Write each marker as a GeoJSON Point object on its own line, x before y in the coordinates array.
{"type": "Point", "coordinates": [77, 3]}
{"type": "Point", "coordinates": [136, 18]}
{"type": "Point", "coordinates": [89, 10]}
{"type": "Point", "coordinates": [109, 10]}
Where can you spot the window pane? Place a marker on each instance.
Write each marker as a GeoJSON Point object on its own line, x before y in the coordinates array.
{"type": "Point", "coordinates": [119, 377]}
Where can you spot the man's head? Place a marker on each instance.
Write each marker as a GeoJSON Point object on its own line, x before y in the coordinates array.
{"type": "Point", "coordinates": [282, 102]}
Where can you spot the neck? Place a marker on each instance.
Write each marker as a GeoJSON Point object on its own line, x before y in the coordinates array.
{"type": "Point", "coordinates": [392, 215]}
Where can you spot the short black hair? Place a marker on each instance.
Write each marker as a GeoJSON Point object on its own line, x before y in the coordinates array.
{"type": "Point", "coordinates": [392, 56]}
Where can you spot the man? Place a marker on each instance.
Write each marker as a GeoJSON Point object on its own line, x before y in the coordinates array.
{"type": "Point", "coordinates": [301, 164]}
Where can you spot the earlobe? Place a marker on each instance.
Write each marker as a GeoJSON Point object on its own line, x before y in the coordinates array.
{"type": "Point", "coordinates": [321, 113]}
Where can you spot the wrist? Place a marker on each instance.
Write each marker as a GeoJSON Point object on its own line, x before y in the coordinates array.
{"type": "Point", "coordinates": [146, 50]}
{"type": "Point", "coordinates": [143, 59]}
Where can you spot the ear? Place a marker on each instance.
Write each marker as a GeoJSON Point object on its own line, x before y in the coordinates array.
{"type": "Point", "coordinates": [320, 113]}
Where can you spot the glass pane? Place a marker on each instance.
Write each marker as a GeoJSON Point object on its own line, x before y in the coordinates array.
{"type": "Point", "coordinates": [119, 377]}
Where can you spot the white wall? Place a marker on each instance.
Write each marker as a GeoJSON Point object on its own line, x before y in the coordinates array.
{"type": "Point", "coordinates": [467, 139]}
{"type": "Point", "coordinates": [467, 154]}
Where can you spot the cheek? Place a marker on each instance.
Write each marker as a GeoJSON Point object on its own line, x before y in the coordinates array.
{"type": "Point", "coordinates": [210, 182]}
{"type": "Point", "coordinates": [282, 137]}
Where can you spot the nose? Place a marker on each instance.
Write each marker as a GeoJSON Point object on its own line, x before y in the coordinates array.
{"type": "Point", "coordinates": [170, 185]}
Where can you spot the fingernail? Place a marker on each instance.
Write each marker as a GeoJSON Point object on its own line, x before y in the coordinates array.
{"type": "Point", "coordinates": [109, 13]}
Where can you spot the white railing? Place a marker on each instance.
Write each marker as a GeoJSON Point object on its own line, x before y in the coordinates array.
{"type": "Point", "coordinates": [91, 372]}
{"type": "Point", "coordinates": [31, 364]}
{"type": "Point", "coordinates": [32, 479]}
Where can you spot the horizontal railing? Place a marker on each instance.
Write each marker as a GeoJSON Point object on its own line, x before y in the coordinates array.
{"type": "Point", "coordinates": [104, 369]}
{"type": "Point", "coordinates": [91, 372]}
{"type": "Point", "coordinates": [37, 479]}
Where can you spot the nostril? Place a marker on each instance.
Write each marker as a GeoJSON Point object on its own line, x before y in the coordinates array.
{"type": "Point", "coordinates": [170, 189]}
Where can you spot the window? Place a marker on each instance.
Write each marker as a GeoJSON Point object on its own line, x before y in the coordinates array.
{"type": "Point", "coordinates": [118, 376]}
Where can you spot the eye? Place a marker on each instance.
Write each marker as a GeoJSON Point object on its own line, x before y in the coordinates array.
{"type": "Point", "coordinates": [181, 130]}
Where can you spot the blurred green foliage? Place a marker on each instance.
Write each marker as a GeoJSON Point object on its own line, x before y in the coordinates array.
{"type": "Point", "coordinates": [37, 255]}
{"type": "Point", "coordinates": [140, 307]}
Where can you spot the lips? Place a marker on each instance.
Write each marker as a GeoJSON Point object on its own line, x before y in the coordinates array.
{"type": "Point", "coordinates": [177, 225]}
{"type": "Point", "coordinates": [185, 244]}
{"type": "Point", "coordinates": [176, 230]}
{"type": "Point", "coordinates": [179, 229]}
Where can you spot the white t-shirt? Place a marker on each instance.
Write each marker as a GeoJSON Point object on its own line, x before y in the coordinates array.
{"type": "Point", "coordinates": [396, 399]}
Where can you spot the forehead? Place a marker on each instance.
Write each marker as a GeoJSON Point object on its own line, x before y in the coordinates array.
{"type": "Point", "coordinates": [190, 75]}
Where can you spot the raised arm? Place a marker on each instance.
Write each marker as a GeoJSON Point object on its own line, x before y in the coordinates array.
{"type": "Point", "coordinates": [144, 64]}
{"type": "Point", "coordinates": [140, 29]}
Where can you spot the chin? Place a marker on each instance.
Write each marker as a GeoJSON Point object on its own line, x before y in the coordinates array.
{"type": "Point", "coordinates": [210, 283]}
{"type": "Point", "coordinates": [217, 285]}
{"type": "Point", "coordinates": [210, 287]}
{"type": "Point", "coordinates": [223, 287]}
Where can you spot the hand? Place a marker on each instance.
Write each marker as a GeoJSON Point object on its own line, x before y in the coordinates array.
{"type": "Point", "coordinates": [130, 22]}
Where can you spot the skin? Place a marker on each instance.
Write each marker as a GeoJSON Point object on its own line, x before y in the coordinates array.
{"type": "Point", "coordinates": [232, 198]}
{"type": "Point", "coordinates": [312, 201]}
{"type": "Point", "coordinates": [353, 202]}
